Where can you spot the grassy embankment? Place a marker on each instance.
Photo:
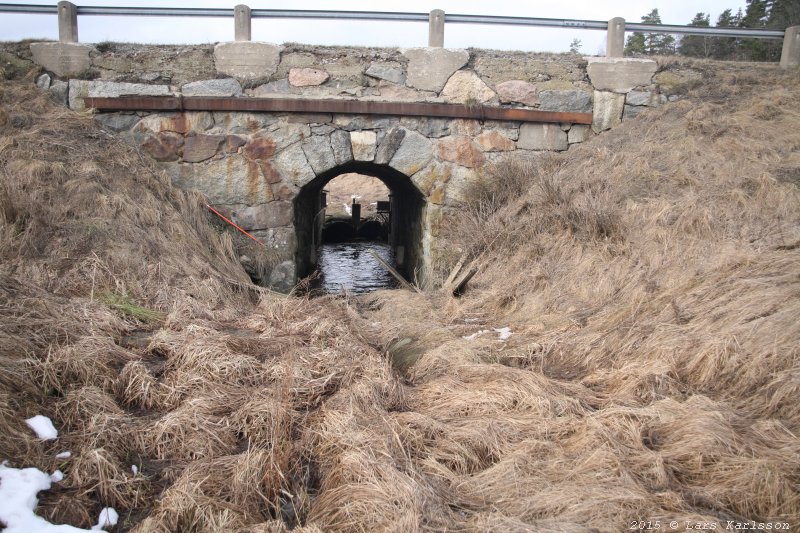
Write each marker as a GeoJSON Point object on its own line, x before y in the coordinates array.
{"type": "Point", "coordinates": [651, 278]}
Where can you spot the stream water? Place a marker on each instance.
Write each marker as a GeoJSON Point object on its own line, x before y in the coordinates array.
{"type": "Point", "coordinates": [350, 266]}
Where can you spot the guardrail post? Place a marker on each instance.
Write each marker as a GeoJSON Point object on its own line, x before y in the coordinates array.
{"type": "Point", "coordinates": [241, 23]}
{"type": "Point", "coordinates": [67, 22]}
{"type": "Point", "coordinates": [436, 28]}
{"type": "Point", "coordinates": [790, 56]}
{"type": "Point", "coordinates": [615, 38]}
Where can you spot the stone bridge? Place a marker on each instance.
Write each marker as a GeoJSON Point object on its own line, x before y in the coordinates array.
{"type": "Point", "coordinates": [260, 129]}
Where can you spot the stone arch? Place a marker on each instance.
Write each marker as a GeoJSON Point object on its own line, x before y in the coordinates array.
{"type": "Point", "coordinates": [408, 206]}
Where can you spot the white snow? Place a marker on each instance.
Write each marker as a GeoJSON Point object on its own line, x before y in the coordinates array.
{"type": "Point", "coordinates": [18, 489]}
{"type": "Point", "coordinates": [108, 518]}
{"type": "Point", "coordinates": [57, 476]}
{"type": "Point", "coordinates": [134, 469]}
{"type": "Point", "coordinates": [347, 208]}
{"type": "Point", "coordinates": [43, 427]}
{"type": "Point", "coordinates": [64, 455]}
{"type": "Point", "coordinates": [476, 334]}
{"type": "Point", "coordinates": [504, 334]}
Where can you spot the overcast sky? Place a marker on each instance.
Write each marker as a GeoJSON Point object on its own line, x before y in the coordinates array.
{"type": "Point", "coordinates": [179, 30]}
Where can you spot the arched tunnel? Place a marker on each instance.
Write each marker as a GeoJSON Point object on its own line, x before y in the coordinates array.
{"type": "Point", "coordinates": [405, 220]}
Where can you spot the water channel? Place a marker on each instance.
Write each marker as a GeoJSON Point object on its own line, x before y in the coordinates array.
{"type": "Point", "coordinates": [350, 266]}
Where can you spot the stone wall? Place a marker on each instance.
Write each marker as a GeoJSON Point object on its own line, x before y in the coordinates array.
{"type": "Point", "coordinates": [253, 166]}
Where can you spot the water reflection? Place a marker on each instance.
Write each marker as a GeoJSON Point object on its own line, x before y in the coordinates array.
{"type": "Point", "coordinates": [350, 266]}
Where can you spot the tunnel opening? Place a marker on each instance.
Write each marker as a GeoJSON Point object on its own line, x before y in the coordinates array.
{"type": "Point", "coordinates": [349, 214]}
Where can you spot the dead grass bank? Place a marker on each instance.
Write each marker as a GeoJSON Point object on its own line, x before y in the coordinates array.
{"type": "Point", "coordinates": [650, 278]}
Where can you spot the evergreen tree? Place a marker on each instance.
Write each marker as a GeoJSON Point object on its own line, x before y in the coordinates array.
{"type": "Point", "coordinates": [697, 45]}
{"type": "Point", "coordinates": [726, 47]}
{"type": "Point", "coordinates": [757, 15]}
{"type": "Point", "coordinates": [652, 43]}
{"type": "Point", "coordinates": [784, 13]}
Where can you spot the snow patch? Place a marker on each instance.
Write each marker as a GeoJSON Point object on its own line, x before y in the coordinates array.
{"type": "Point", "coordinates": [57, 476]}
{"type": "Point", "coordinates": [43, 427]}
{"type": "Point", "coordinates": [476, 334]}
{"type": "Point", "coordinates": [18, 489]}
{"type": "Point", "coordinates": [64, 455]}
{"type": "Point", "coordinates": [134, 469]}
{"type": "Point", "coordinates": [503, 334]}
{"type": "Point", "coordinates": [108, 518]}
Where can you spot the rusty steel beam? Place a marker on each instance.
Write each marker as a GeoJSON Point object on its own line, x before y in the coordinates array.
{"type": "Point", "coordinates": [351, 107]}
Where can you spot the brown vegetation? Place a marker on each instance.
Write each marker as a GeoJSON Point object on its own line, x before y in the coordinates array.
{"type": "Point", "coordinates": [650, 278]}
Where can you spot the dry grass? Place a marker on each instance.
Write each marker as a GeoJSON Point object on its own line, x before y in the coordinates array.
{"type": "Point", "coordinates": [650, 278]}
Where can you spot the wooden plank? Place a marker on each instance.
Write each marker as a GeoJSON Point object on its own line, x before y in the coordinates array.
{"type": "Point", "coordinates": [453, 273]}
{"type": "Point", "coordinates": [394, 272]}
{"type": "Point", "coordinates": [461, 286]}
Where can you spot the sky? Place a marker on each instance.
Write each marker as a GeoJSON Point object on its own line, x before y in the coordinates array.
{"type": "Point", "coordinates": [179, 30]}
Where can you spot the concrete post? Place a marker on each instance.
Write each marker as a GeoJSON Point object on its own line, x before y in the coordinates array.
{"type": "Point", "coordinates": [615, 38]}
{"type": "Point", "coordinates": [790, 56]}
{"type": "Point", "coordinates": [67, 22]}
{"type": "Point", "coordinates": [241, 23]}
{"type": "Point", "coordinates": [436, 29]}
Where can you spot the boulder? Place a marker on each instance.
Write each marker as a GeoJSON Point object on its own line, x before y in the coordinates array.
{"type": "Point", "coordinates": [364, 144]}
{"type": "Point", "coordinates": [494, 141]}
{"type": "Point", "coordinates": [340, 144]}
{"type": "Point", "coordinates": [461, 151]}
{"type": "Point", "coordinates": [638, 98]}
{"type": "Point", "coordinates": [293, 165]}
{"type": "Point", "coordinates": [566, 101]}
{"type": "Point", "coordinates": [59, 91]}
{"type": "Point", "coordinates": [198, 148]}
{"type": "Point", "coordinates": [43, 81]}
{"type": "Point", "coordinates": [319, 153]}
{"type": "Point", "coordinates": [247, 59]}
{"type": "Point", "coordinates": [579, 133]}
{"type": "Point", "coordinates": [430, 68]}
{"type": "Point", "coordinates": [62, 59]}
{"type": "Point", "coordinates": [271, 88]}
{"type": "Point", "coordinates": [466, 87]}
{"type": "Point", "coordinates": [517, 91]}
{"type": "Point", "coordinates": [155, 149]}
{"type": "Point", "coordinates": [283, 278]}
{"type": "Point", "coordinates": [632, 111]}
{"type": "Point", "coordinates": [542, 137]}
{"type": "Point", "coordinates": [413, 154]}
{"type": "Point", "coordinates": [116, 122]}
{"type": "Point", "coordinates": [386, 71]}
{"type": "Point", "coordinates": [221, 87]}
{"type": "Point", "coordinates": [433, 127]}
{"type": "Point", "coordinates": [306, 77]}
{"type": "Point", "coordinates": [389, 145]}
{"type": "Point", "coordinates": [618, 74]}
{"type": "Point", "coordinates": [608, 107]}
{"type": "Point", "coordinates": [78, 90]}
{"type": "Point", "coordinates": [114, 89]}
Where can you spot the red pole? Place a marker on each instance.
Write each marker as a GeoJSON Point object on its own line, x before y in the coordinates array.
{"type": "Point", "coordinates": [220, 215]}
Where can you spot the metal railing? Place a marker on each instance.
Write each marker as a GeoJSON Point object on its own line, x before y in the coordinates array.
{"type": "Point", "coordinates": [616, 28]}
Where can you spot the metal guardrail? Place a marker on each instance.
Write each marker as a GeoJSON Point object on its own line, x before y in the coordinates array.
{"type": "Point", "coordinates": [391, 16]}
